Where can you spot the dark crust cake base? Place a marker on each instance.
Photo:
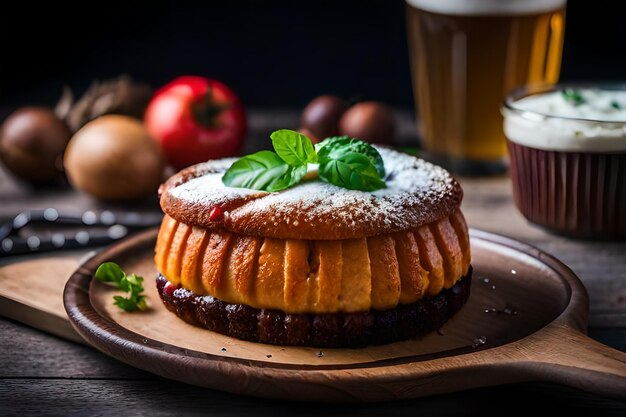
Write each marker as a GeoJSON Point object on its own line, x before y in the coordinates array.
{"type": "Point", "coordinates": [374, 327]}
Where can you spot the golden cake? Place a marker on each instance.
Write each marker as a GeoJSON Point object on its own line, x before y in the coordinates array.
{"type": "Point", "coordinates": [315, 264]}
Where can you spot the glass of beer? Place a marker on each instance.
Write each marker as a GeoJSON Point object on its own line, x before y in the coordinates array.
{"type": "Point", "coordinates": [465, 56]}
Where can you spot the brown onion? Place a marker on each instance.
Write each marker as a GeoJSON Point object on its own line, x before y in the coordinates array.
{"type": "Point", "coordinates": [114, 158]}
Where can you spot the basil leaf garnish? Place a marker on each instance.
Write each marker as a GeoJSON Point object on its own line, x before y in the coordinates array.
{"type": "Point", "coordinates": [343, 161]}
{"type": "Point", "coordinates": [294, 148]}
{"type": "Point", "coordinates": [263, 170]}
{"type": "Point", "coordinates": [351, 170]}
{"type": "Point", "coordinates": [336, 146]}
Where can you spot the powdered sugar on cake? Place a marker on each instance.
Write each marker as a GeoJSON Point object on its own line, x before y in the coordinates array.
{"type": "Point", "coordinates": [417, 193]}
{"type": "Point", "coordinates": [209, 190]}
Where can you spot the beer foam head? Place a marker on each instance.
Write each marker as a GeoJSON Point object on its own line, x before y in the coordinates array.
{"type": "Point", "coordinates": [551, 121]}
{"type": "Point", "coordinates": [487, 7]}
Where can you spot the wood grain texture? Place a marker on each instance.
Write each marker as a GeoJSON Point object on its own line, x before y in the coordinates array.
{"type": "Point", "coordinates": [30, 354]}
{"type": "Point", "coordinates": [548, 344]}
{"type": "Point", "coordinates": [159, 397]}
{"type": "Point", "coordinates": [32, 293]}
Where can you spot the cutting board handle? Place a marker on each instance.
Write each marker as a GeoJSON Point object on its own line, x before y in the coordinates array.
{"type": "Point", "coordinates": [574, 359]}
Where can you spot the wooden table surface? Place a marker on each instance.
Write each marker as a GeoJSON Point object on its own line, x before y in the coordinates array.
{"type": "Point", "coordinates": [44, 375]}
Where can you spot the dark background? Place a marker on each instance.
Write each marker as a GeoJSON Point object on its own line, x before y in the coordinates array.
{"type": "Point", "coordinates": [272, 53]}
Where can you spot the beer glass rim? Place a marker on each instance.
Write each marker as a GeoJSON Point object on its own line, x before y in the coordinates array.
{"type": "Point", "coordinates": [539, 88]}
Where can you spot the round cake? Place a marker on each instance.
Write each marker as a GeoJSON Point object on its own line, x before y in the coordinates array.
{"type": "Point", "coordinates": [315, 264]}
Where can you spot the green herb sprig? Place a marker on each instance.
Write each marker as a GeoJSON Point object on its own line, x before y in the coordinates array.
{"type": "Point", "coordinates": [350, 163]}
{"type": "Point", "coordinates": [573, 96]}
{"type": "Point", "coordinates": [343, 161]}
{"type": "Point", "coordinates": [112, 272]}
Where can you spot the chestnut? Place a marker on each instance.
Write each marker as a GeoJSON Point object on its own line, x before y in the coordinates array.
{"type": "Point", "coordinates": [32, 142]}
{"type": "Point", "coordinates": [321, 116]}
{"type": "Point", "coordinates": [370, 121]}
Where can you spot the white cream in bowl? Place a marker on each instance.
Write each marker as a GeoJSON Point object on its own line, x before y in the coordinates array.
{"type": "Point", "coordinates": [569, 119]}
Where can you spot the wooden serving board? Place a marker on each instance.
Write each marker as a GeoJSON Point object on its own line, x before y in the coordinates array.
{"type": "Point", "coordinates": [525, 320]}
{"type": "Point", "coordinates": [31, 292]}
{"type": "Point", "coordinates": [544, 341]}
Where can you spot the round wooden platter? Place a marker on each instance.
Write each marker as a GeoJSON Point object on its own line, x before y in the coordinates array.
{"type": "Point", "coordinates": [525, 321]}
